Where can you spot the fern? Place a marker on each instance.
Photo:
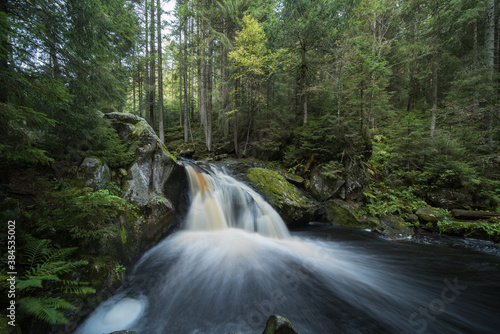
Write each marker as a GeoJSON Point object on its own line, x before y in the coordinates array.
{"type": "Point", "coordinates": [46, 309]}
{"type": "Point", "coordinates": [42, 279]}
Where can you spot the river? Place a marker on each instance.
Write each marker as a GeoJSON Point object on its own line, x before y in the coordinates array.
{"type": "Point", "coordinates": [234, 264]}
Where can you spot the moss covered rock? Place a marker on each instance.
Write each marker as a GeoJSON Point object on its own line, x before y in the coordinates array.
{"type": "Point", "coordinates": [93, 173]}
{"type": "Point", "coordinates": [340, 212]}
{"type": "Point", "coordinates": [429, 215]}
{"type": "Point", "coordinates": [153, 182]}
{"type": "Point", "coordinates": [294, 207]}
{"type": "Point", "coordinates": [277, 324]}
{"type": "Point", "coordinates": [393, 227]}
{"type": "Point", "coordinates": [323, 187]}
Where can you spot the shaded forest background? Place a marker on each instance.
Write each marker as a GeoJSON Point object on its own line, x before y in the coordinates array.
{"type": "Point", "coordinates": [287, 81]}
{"type": "Point", "coordinates": [408, 89]}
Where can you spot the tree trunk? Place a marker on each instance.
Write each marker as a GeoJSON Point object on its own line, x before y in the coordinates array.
{"type": "Point", "coordinates": [225, 83]}
{"type": "Point", "coordinates": [4, 54]}
{"type": "Point", "coordinates": [146, 63]}
{"type": "Point", "coordinates": [490, 61]}
{"type": "Point", "coordinates": [152, 78]}
{"type": "Point", "coordinates": [4, 89]}
{"type": "Point", "coordinates": [180, 82]}
{"type": "Point", "coordinates": [160, 75]}
{"type": "Point", "coordinates": [303, 74]}
{"type": "Point", "coordinates": [434, 95]}
{"type": "Point", "coordinates": [209, 95]}
{"type": "Point", "coordinates": [184, 74]}
{"type": "Point", "coordinates": [235, 122]}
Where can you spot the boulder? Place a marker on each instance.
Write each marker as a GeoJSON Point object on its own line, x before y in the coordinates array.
{"type": "Point", "coordinates": [154, 182]}
{"type": "Point", "coordinates": [290, 202]}
{"type": "Point", "coordinates": [277, 324]}
{"type": "Point", "coordinates": [455, 199]}
{"type": "Point", "coordinates": [393, 227]}
{"type": "Point", "coordinates": [429, 215]}
{"type": "Point", "coordinates": [93, 173]}
{"type": "Point", "coordinates": [323, 187]}
{"type": "Point", "coordinates": [340, 212]}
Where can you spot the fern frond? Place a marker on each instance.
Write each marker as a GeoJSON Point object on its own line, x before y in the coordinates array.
{"type": "Point", "coordinates": [59, 254]}
{"type": "Point", "coordinates": [79, 290]}
{"type": "Point", "coordinates": [35, 250]}
{"type": "Point", "coordinates": [46, 309]}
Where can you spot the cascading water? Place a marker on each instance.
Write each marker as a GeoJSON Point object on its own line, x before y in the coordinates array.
{"type": "Point", "coordinates": [235, 264]}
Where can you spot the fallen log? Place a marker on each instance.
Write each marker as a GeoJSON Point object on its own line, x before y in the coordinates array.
{"type": "Point", "coordinates": [473, 215]}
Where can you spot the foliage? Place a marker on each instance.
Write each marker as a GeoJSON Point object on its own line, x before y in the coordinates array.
{"type": "Point", "coordinates": [85, 215]}
{"type": "Point", "coordinates": [42, 287]}
{"type": "Point", "coordinates": [382, 201]}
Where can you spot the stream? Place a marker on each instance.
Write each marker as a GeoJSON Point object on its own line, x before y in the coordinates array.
{"type": "Point", "coordinates": [234, 264]}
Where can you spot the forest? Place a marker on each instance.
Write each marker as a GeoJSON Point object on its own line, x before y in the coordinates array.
{"type": "Point", "coordinates": [400, 95]}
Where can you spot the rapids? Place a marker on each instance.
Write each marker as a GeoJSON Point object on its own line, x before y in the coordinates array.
{"type": "Point", "coordinates": [235, 263]}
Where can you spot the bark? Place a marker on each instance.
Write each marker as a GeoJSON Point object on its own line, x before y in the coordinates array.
{"type": "Point", "coordinates": [490, 51]}
{"type": "Point", "coordinates": [4, 55]}
{"type": "Point", "coordinates": [186, 109]}
{"type": "Point", "coordinates": [160, 75]}
{"type": "Point", "coordinates": [304, 83]}
{"type": "Point", "coordinates": [4, 92]}
{"type": "Point", "coordinates": [209, 95]}
{"type": "Point", "coordinates": [434, 96]}
{"type": "Point", "coordinates": [146, 65]}
{"type": "Point", "coordinates": [152, 78]}
{"type": "Point", "coordinates": [466, 214]}
{"type": "Point", "coordinates": [235, 123]}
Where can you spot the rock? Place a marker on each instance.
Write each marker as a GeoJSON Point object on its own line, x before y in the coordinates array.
{"type": "Point", "coordinates": [294, 207]}
{"type": "Point", "coordinates": [393, 227]}
{"type": "Point", "coordinates": [429, 215]}
{"type": "Point", "coordinates": [277, 324]}
{"type": "Point", "coordinates": [292, 178]}
{"type": "Point", "coordinates": [124, 332]}
{"type": "Point", "coordinates": [322, 187]}
{"type": "Point", "coordinates": [456, 199]}
{"type": "Point", "coordinates": [154, 182]}
{"type": "Point", "coordinates": [341, 213]}
{"type": "Point", "coordinates": [93, 173]}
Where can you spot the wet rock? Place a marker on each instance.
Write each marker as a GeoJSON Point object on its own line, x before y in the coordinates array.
{"type": "Point", "coordinates": [290, 202]}
{"type": "Point", "coordinates": [277, 324]}
{"type": "Point", "coordinates": [124, 332]}
{"type": "Point", "coordinates": [429, 215]}
{"type": "Point", "coordinates": [93, 173]}
{"type": "Point", "coordinates": [341, 213]}
{"type": "Point", "coordinates": [393, 227]}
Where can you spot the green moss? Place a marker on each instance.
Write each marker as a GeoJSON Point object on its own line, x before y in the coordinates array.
{"type": "Point", "coordinates": [481, 229]}
{"type": "Point", "coordinates": [340, 213]}
{"type": "Point", "coordinates": [123, 235]}
{"type": "Point", "coordinates": [275, 187]}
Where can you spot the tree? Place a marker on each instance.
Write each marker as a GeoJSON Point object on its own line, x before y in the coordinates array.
{"type": "Point", "coordinates": [309, 27]}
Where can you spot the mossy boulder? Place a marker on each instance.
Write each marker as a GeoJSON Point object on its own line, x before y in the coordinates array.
{"type": "Point", "coordinates": [154, 182]}
{"type": "Point", "coordinates": [429, 215]}
{"type": "Point", "coordinates": [393, 227]}
{"type": "Point", "coordinates": [323, 188]}
{"type": "Point", "coordinates": [341, 213]}
{"type": "Point", "coordinates": [290, 202]}
{"type": "Point", "coordinates": [277, 324]}
{"type": "Point", "coordinates": [93, 173]}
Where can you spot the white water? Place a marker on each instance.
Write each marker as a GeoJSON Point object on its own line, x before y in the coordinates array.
{"type": "Point", "coordinates": [235, 264]}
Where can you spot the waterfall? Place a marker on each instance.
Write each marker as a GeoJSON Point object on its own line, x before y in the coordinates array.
{"type": "Point", "coordinates": [219, 202]}
{"type": "Point", "coordinates": [235, 263]}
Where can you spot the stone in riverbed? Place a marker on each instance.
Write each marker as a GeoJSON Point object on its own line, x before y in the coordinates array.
{"type": "Point", "coordinates": [277, 324]}
{"type": "Point", "coordinates": [294, 207]}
